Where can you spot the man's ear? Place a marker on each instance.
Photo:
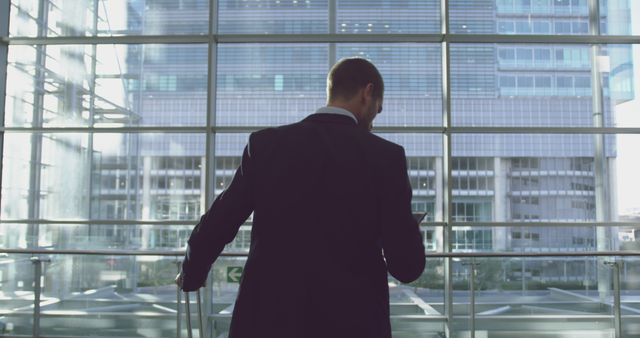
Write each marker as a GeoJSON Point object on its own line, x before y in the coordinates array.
{"type": "Point", "coordinates": [367, 92]}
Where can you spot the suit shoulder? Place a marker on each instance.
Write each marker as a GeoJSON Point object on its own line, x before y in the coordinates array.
{"type": "Point", "coordinates": [272, 131]}
{"type": "Point", "coordinates": [267, 133]}
{"type": "Point", "coordinates": [387, 146]}
{"type": "Point", "coordinates": [272, 136]}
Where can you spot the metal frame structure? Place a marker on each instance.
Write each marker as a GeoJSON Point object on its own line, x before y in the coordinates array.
{"type": "Point", "coordinates": [5, 6]}
{"type": "Point", "coordinates": [445, 38]}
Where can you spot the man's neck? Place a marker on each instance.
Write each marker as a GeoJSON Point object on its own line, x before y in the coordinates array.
{"type": "Point", "coordinates": [346, 106]}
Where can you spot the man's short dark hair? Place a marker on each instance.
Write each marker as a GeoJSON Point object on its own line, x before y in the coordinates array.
{"type": "Point", "coordinates": [349, 75]}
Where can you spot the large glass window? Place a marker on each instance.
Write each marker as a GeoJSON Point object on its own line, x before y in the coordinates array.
{"type": "Point", "coordinates": [124, 119]}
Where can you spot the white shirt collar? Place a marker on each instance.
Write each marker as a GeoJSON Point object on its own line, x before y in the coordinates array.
{"type": "Point", "coordinates": [336, 110]}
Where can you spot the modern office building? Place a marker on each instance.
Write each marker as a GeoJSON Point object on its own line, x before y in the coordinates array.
{"type": "Point", "coordinates": [124, 119]}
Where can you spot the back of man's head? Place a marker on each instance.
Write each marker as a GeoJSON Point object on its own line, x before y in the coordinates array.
{"type": "Point", "coordinates": [349, 75]}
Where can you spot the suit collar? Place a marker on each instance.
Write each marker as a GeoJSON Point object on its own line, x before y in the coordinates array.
{"type": "Point", "coordinates": [337, 110]}
{"type": "Point", "coordinates": [331, 118]}
{"type": "Point", "coordinates": [333, 115]}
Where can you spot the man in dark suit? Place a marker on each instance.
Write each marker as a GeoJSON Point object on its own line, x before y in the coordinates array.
{"type": "Point", "coordinates": [332, 216]}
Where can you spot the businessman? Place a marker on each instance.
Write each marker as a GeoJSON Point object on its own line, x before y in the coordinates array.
{"type": "Point", "coordinates": [332, 217]}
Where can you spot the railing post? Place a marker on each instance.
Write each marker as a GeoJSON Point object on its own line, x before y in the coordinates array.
{"type": "Point", "coordinates": [617, 313]}
{"type": "Point", "coordinates": [178, 303]}
{"type": "Point", "coordinates": [472, 302]}
{"type": "Point", "coordinates": [37, 291]}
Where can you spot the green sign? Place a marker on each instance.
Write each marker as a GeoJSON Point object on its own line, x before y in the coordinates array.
{"type": "Point", "coordinates": [234, 273]}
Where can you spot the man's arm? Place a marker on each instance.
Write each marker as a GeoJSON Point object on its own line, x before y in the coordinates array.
{"type": "Point", "coordinates": [218, 226]}
{"type": "Point", "coordinates": [401, 239]}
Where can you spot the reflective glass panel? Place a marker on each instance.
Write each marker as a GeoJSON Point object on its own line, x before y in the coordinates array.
{"type": "Point", "coordinates": [533, 177]}
{"type": "Point", "coordinates": [425, 169]}
{"type": "Point", "coordinates": [388, 17]}
{"type": "Point", "coordinates": [94, 236]}
{"type": "Point", "coordinates": [417, 308]}
{"type": "Point", "coordinates": [273, 17]}
{"type": "Point", "coordinates": [523, 17]}
{"type": "Point", "coordinates": [521, 85]}
{"type": "Point", "coordinates": [108, 17]}
{"type": "Point", "coordinates": [45, 176]}
{"type": "Point", "coordinates": [107, 176]}
{"type": "Point", "coordinates": [623, 178]}
{"type": "Point", "coordinates": [534, 296]}
{"type": "Point", "coordinates": [412, 81]}
{"type": "Point", "coordinates": [617, 17]}
{"type": "Point", "coordinates": [539, 237]}
{"type": "Point", "coordinates": [559, 17]}
{"type": "Point", "coordinates": [630, 287]}
{"type": "Point", "coordinates": [270, 84]}
{"type": "Point", "coordinates": [124, 296]}
{"type": "Point", "coordinates": [107, 85]}
{"type": "Point", "coordinates": [16, 294]}
{"type": "Point", "coordinates": [619, 67]}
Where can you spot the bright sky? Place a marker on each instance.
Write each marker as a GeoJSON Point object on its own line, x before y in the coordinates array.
{"type": "Point", "coordinates": [628, 115]}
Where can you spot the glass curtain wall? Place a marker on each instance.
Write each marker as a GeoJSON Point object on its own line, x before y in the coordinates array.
{"type": "Point", "coordinates": [124, 119]}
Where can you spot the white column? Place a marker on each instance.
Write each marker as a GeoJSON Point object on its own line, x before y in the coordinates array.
{"type": "Point", "coordinates": [146, 188]}
{"type": "Point", "coordinates": [500, 203]}
{"type": "Point", "coordinates": [204, 182]}
{"type": "Point", "coordinates": [145, 240]}
{"type": "Point", "coordinates": [438, 209]}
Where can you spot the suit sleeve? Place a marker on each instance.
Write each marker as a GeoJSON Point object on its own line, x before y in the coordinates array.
{"type": "Point", "coordinates": [219, 225]}
{"type": "Point", "coordinates": [401, 240]}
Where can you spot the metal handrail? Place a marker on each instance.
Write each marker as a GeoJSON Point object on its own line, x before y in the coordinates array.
{"type": "Point", "coordinates": [249, 223]}
{"type": "Point", "coordinates": [175, 253]}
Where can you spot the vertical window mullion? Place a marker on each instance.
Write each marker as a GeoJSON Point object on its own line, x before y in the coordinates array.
{"type": "Point", "coordinates": [5, 6]}
{"type": "Point", "coordinates": [447, 169]}
{"type": "Point", "coordinates": [210, 137]}
{"type": "Point", "coordinates": [209, 183]}
{"type": "Point", "coordinates": [333, 14]}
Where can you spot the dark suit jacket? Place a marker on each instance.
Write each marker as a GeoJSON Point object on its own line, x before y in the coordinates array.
{"type": "Point", "coordinates": [328, 199]}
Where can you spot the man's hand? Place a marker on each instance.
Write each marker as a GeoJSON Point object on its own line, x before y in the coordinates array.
{"type": "Point", "coordinates": [179, 280]}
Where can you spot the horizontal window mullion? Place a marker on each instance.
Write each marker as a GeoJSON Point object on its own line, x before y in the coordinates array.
{"type": "Point", "coordinates": [555, 39]}
{"type": "Point", "coordinates": [130, 39]}
{"type": "Point", "coordinates": [98, 222]}
{"type": "Point", "coordinates": [328, 38]}
{"type": "Point", "coordinates": [163, 129]}
{"type": "Point", "coordinates": [383, 129]}
{"type": "Point", "coordinates": [324, 38]}
{"type": "Point", "coordinates": [542, 130]}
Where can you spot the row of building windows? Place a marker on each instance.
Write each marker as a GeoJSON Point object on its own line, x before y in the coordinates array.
{"type": "Point", "coordinates": [472, 183]}
{"type": "Point", "coordinates": [472, 163]}
{"type": "Point", "coordinates": [552, 183]}
{"type": "Point", "coordinates": [542, 26]}
{"type": "Point", "coordinates": [525, 235]}
{"type": "Point", "coordinates": [559, 57]}
{"type": "Point", "coordinates": [272, 4]}
{"type": "Point", "coordinates": [575, 7]}
{"type": "Point", "coordinates": [471, 240]}
{"type": "Point", "coordinates": [534, 163]}
{"type": "Point", "coordinates": [472, 211]}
